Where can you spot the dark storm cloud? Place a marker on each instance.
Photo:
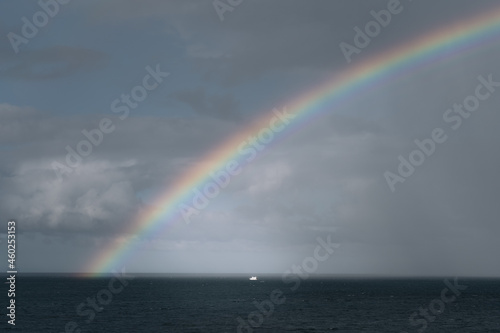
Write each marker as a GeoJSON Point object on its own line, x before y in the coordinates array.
{"type": "Point", "coordinates": [264, 37]}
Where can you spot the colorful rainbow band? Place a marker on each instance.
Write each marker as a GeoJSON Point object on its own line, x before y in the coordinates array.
{"type": "Point", "coordinates": [450, 41]}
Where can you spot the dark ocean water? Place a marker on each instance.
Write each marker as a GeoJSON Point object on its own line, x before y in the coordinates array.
{"type": "Point", "coordinates": [48, 304]}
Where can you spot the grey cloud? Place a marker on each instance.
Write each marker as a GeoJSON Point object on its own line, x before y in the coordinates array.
{"type": "Point", "coordinates": [50, 63]}
{"type": "Point", "coordinates": [220, 106]}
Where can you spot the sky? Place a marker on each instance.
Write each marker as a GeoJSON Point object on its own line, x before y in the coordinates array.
{"type": "Point", "coordinates": [212, 69]}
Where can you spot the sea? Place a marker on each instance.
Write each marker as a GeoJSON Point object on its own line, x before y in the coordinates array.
{"type": "Point", "coordinates": [62, 304]}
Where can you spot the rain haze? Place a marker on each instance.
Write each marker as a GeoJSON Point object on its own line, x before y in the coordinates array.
{"type": "Point", "coordinates": [208, 70]}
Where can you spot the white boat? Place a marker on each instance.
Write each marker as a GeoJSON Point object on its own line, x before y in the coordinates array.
{"type": "Point", "coordinates": [253, 278]}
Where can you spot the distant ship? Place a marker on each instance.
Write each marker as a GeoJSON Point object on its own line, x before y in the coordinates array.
{"type": "Point", "coordinates": [253, 278]}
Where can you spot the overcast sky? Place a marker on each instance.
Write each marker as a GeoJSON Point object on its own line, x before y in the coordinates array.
{"type": "Point", "coordinates": [327, 178]}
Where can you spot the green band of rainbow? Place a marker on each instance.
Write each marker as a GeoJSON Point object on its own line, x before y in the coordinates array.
{"type": "Point", "coordinates": [452, 40]}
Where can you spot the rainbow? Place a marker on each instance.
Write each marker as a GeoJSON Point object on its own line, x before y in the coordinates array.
{"type": "Point", "coordinates": [450, 41]}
